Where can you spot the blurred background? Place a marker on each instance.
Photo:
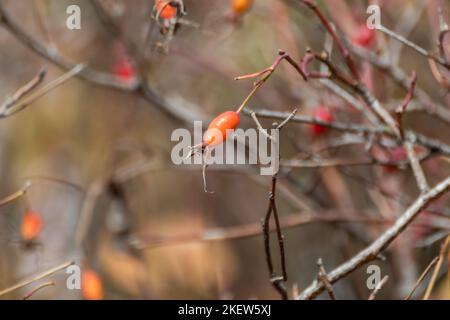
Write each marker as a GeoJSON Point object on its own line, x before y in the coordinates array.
{"type": "Point", "coordinates": [143, 234]}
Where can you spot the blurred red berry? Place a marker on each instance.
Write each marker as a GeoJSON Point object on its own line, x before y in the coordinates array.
{"type": "Point", "coordinates": [91, 285]}
{"type": "Point", "coordinates": [166, 11]}
{"type": "Point", "coordinates": [124, 69]}
{"type": "Point", "coordinates": [241, 6]}
{"type": "Point", "coordinates": [321, 113]}
{"type": "Point", "coordinates": [397, 154]}
{"type": "Point", "coordinates": [31, 226]}
{"type": "Point", "coordinates": [364, 37]}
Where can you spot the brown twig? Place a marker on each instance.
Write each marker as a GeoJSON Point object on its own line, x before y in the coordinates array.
{"type": "Point", "coordinates": [21, 105]}
{"type": "Point", "coordinates": [404, 104]}
{"type": "Point", "coordinates": [416, 168]}
{"type": "Point", "coordinates": [414, 46]}
{"type": "Point", "coordinates": [265, 75]}
{"type": "Point", "coordinates": [427, 104]}
{"type": "Point", "coordinates": [152, 241]}
{"type": "Point", "coordinates": [23, 91]}
{"type": "Point", "coordinates": [422, 277]}
{"type": "Point", "coordinates": [437, 268]}
{"type": "Point", "coordinates": [35, 278]}
{"type": "Point", "coordinates": [41, 286]}
{"type": "Point", "coordinates": [444, 30]}
{"type": "Point", "coordinates": [425, 141]}
{"type": "Point", "coordinates": [15, 195]}
{"type": "Point", "coordinates": [322, 276]}
{"type": "Point", "coordinates": [341, 47]}
{"type": "Point", "coordinates": [277, 281]}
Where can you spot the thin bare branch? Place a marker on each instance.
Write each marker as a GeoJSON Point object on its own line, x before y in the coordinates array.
{"type": "Point", "coordinates": [23, 91]}
{"type": "Point", "coordinates": [35, 278]}
{"type": "Point", "coordinates": [416, 167]}
{"type": "Point", "coordinates": [15, 108]}
{"type": "Point", "coordinates": [41, 286]}
{"type": "Point", "coordinates": [422, 277]}
{"type": "Point", "coordinates": [16, 195]}
{"type": "Point", "coordinates": [382, 242]}
{"type": "Point", "coordinates": [437, 268]}
{"type": "Point", "coordinates": [323, 277]}
{"type": "Point", "coordinates": [378, 287]}
{"type": "Point", "coordinates": [414, 46]}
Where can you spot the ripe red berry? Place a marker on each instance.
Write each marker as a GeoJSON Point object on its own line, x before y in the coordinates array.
{"type": "Point", "coordinates": [321, 113]}
{"type": "Point", "coordinates": [31, 226]}
{"type": "Point", "coordinates": [220, 127]}
{"type": "Point", "coordinates": [364, 37]}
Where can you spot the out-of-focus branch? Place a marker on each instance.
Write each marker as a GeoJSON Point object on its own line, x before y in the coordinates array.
{"type": "Point", "coordinates": [383, 241]}
{"type": "Point", "coordinates": [444, 30]}
{"type": "Point", "coordinates": [359, 88]}
{"type": "Point", "coordinates": [170, 106]}
{"type": "Point", "coordinates": [422, 277]}
{"type": "Point", "coordinates": [17, 106]}
{"type": "Point", "coordinates": [38, 277]}
{"type": "Point", "coordinates": [414, 46]}
{"type": "Point", "coordinates": [23, 91]}
{"type": "Point", "coordinates": [378, 287]}
{"type": "Point", "coordinates": [433, 144]}
{"type": "Point", "coordinates": [323, 277]}
{"type": "Point", "coordinates": [426, 104]}
{"type": "Point", "coordinates": [41, 286]}
{"type": "Point", "coordinates": [55, 57]}
{"type": "Point", "coordinates": [15, 195]}
{"type": "Point", "coordinates": [245, 231]}
{"type": "Point", "coordinates": [416, 168]}
{"type": "Point", "coordinates": [404, 104]}
{"type": "Point", "coordinates": [437, 268]}
{"type": "Point", "coordinates": [342, 48]}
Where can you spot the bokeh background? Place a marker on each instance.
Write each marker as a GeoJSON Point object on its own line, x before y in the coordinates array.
{"type": "Point", "coordinates": [84, 133]}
